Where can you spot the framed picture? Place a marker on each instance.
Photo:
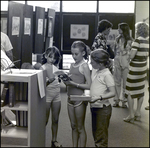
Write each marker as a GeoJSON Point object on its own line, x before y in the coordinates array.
{"type": "Point", "coordinates": [50, 27]}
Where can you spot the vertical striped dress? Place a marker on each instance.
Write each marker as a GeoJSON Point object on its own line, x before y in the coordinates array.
{"type": "Point", "coordinates": [136, 77]}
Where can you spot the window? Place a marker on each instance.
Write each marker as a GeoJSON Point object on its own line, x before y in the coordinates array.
{"type": "Point", "coordinates": [116, 6]}
{"type": "Point", "coordinates": [4, 5]}
{"type": "Point", "coordinates": [79, 6]}
{"type": "Point", "coordinates": [45, 4]}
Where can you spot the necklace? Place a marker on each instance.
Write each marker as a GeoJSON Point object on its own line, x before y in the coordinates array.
{"type": "Point", "coordinates": [78, 63]}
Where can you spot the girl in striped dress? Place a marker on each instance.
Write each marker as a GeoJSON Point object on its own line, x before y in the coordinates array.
{"type": "Point", "coordinates": [136, 77]}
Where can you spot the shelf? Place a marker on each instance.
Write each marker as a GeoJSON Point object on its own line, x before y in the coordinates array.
{"type": "Point", "coordinates": [14, 131]}
{"type": "Point", "coordinates": [22, 106]}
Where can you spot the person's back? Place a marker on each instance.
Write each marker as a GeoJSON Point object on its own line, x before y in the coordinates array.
{"type": "Point", "coordinates": [6, 45]}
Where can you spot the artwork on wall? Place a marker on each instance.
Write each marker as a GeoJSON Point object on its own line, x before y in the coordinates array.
{"type": "Point", "coordinates": [15, 25]}
{"type": "Point", "coordinates": [40, 26]}
{"type": "Point", "coordinates": [50, 26]}
{"type": "Point", "coordinates": [27, 26]}
{"type": "Point", "coordinates": [79, 31]}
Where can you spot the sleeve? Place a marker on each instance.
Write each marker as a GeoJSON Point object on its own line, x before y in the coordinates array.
{"type": "Point", "coordinates": [109, 80]}
{"type": "Point", "coordinates": [135, 45]}
{"type": "Point", "coordinates": [8, 45]}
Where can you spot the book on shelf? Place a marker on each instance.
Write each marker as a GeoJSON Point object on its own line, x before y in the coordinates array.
{"type": "Point", "coordinates": [11, 94]}
{"type": "Point", "coordinates": [10, 116]}
{"type": "Point", "coordinates": [25, 118]}
{"type": "Point", "coordinates": [17, 118]}
{"type": "Point", "coordinates": [21, 118]}
{"type": "Point", "coordinates": [4, 96]}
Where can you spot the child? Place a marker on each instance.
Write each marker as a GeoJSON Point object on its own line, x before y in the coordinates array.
{"type": "Point", "coordinates": [50, 60]}
{"type": "Point", "coordinates": [81, 80]}
{"type": "Point", "coordinates": [102, 88]}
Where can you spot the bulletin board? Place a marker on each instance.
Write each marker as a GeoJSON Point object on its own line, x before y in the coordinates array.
{"type": "Point", "coordinates": [15, 27]}
{"type": "Point", "coordinates": [39, 22]}
{"type": "Point", "coordinates": [27, 35]}
{"type": "Point", "coordinates": [78, 27]}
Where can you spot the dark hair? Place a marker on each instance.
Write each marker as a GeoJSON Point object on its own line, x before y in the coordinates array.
{"type": "Point", "coordinates": [82, 47]}
{"type": "Point", "coordinates": [52, 51]}
{"type": "Point", "coordinates": [103, 25]}
{"type": "Point", "coordinates": [126, 32]}
{"type": "Point", "coordinates": [101, 56]}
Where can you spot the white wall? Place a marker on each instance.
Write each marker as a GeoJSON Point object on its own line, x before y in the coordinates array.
{"type": "Point", "coordinates": [142, 11]}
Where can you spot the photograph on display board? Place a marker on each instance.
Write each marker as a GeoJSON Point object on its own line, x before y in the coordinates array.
{"type": "Point", "coordinates": [40, 26]}
{"type": "Point", "coordinates": [15, 25]}
{"type": "Point", "coordinates": [50, 27]}
{"type": "Point", "coordinates": [27, 26]}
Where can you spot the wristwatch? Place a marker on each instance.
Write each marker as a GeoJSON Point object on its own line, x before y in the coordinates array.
{"type": "Point", "coordinates": [101, 98]}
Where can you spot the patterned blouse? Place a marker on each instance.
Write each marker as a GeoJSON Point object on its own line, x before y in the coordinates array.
{"type": "Point", "coordinates": [99, 41]}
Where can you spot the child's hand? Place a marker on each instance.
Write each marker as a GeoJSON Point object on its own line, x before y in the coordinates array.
{"type": "Point", "coordinates": [67, 82]}
{"type": "Point", "coordinates": [94, 99]}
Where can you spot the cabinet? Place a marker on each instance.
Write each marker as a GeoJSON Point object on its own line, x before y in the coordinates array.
{"type": "Point", "coordinates": [34, 133]}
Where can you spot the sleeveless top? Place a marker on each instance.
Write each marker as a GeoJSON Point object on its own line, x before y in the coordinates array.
{"type": "Point", "coordinates": [77, 77]}
{"type": "Point", "coordinates": [55, 83]}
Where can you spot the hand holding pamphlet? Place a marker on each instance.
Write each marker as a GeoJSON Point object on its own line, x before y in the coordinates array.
{"type": "Point", "coordinates": [62, 75]}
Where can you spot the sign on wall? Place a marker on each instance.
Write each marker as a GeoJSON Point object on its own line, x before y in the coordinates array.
{"type": "Point", "coordinates": [79, 31]}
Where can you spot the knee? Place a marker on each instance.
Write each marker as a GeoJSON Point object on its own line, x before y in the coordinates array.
{"type": "Point", "coordinates": [80, 129]}
{"type": "Point", "coordinates": [55, 121]}
{"type": "Point", "coordinates": [74, 127]}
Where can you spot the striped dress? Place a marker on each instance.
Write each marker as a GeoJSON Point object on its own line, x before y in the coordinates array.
{"type": "Point", "coordinates": [136, 77]}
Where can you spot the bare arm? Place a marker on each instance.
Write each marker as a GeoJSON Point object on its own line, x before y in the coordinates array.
{"type": "Point", "coordinates": [87, 77]}
{"type": "Point", "coordinates": [10, 54]}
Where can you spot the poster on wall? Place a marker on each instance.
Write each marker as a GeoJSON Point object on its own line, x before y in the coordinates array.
{"type": "Point", "coordinates": [15, 25]}
{"type": "Point", "coordinates": [27, 26]}
{"type": "Point", "coordinates": [40, 26]}
{"type": "Point", "coordinates": [79, 31]}
{"type": "Point", "coordinates": [50, 26]}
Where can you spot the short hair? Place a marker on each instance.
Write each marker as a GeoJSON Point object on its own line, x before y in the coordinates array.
{"type": "Point", "coordinates": [142, 29]}
{"type": "Point", "coordinates": [103, 25]}
{"type": "Point", "coordinates": [100, 55]}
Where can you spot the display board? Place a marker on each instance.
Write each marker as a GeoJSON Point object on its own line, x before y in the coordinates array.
{"type": "Point", "coordinates": [39, 22]}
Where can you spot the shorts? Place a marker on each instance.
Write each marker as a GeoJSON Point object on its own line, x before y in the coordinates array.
{"type": "Point", "coordinates": [53, 94]}
{"type": "Point", "coordinates": [76, 103]}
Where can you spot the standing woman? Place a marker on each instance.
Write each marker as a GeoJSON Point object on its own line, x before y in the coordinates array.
{"type": "Point", "coordinates": [135, 84]}
{"type": "Point", "coordinates": [121, 62]}
{"type": "Point", "coordinates": [100, 41]}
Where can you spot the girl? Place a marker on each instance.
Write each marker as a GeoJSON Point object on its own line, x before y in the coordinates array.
{"type": "Point", "coordinates": [50, 60]}
{"type": "Point", "coordinates": [80, 75]}
{"type": "Point", "coordinates": [121, 62]}
{"type": "Point", "coordinates": [136, 77]}
{"type": "Point", "coordinates": [102, 88]}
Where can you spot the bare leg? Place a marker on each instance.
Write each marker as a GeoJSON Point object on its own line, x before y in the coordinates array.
{"type": "Point", "coordinates": [75, 135]}
{"type": "Point", "coordinates": [80, 113]}
{"type": "Point", "coordinates": [131, 105]}
{"type": "Point", "coordinates": [55, 108]}
{"type": "Point", "coordinates": [48, 105]}
{"type": "Point", "coordinates": [139, 104]}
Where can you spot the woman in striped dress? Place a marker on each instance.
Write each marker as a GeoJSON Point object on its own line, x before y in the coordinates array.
{"type": "Point", "coordinates": [136, 77]}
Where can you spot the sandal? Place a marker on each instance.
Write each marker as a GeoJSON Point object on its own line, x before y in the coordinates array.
{"type": "Point", "coordinates": [55, 144]}
{"type": "Point", "coordinates": [124, 105]}
{"type": "Point", "coordinates": [116, 105]}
